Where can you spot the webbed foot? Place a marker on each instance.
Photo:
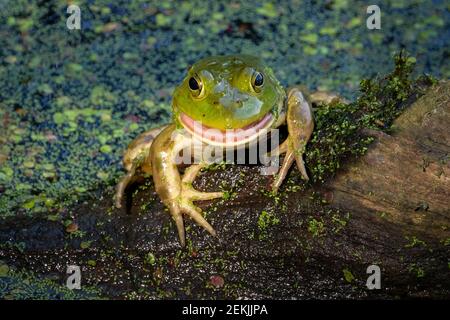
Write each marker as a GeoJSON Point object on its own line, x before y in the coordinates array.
{"type": "Point", "coordinates": [184, 203]}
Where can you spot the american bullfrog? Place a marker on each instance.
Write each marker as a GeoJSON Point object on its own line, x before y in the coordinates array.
{"type": "Point", "coordinates": [233, 100]}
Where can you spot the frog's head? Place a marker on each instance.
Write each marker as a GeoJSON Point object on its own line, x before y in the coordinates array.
{"type": "Point", "coordinates": [232, 99]}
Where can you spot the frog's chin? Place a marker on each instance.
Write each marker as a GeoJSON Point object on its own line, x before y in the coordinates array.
{"type": "Point", "coordinates": [229, 137]}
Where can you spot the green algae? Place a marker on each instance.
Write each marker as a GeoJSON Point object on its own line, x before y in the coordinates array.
{"type": "Point", "coordinates": [338, 131]}
{"type": "Point", "coordinates": [316, 227]}
{"type": "Point", "coordinates": [348, 275]}
{"type": "Point", "coordinates": [265, 221]}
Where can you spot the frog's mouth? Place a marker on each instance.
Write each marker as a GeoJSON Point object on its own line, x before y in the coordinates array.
{"type": "Point", "coordinates": [229, 137]}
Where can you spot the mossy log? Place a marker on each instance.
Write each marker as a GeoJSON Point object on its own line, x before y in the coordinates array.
{"type": "Point", "coordinates": [404, 179]}
{"type": "Point", "coordinates": [389, 207]}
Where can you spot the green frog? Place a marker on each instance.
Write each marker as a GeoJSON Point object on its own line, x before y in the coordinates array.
{"type": "Point", "coordinates": [233, 100]}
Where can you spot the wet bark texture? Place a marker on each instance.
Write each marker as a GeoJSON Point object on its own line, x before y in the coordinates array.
{"type": "Point", "coordinates": [406, 174]}
{"type": "Point", "coordinates": [388, 208]}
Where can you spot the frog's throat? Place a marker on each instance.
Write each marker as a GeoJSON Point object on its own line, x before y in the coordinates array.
{"type": "Point", "coordinates": [229, 137]}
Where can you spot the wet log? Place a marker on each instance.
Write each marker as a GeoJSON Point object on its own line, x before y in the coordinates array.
{"type": "Point", "coordinates": [389, 207]}
{"type": "Point", "coordinates": [404, 179]}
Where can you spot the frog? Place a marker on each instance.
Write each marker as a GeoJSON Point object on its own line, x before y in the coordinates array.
{"type": "Point", "coordinates": [238, 98]}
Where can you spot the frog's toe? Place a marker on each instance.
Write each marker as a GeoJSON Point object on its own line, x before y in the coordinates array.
{"type": "Point", "coordinates": [195, 213]}
{"type": "Point", "coordinates": [279, 178]}
{"type": "Point", "coordinates": [121, 186]}
{"type": "Point", "coordinates": [180, 228]}
{"type": "Point", "coordinates": [324, 97]}
{"type": "Point", "coordinates": [195, 195]}
{"type": "Point", "coordinates": [191, 173]}
{"type": "Point", "coordinates": [178, 218]}
{"type": "Point", "coordinates": [192, 194]}
{"type": "Point", "coordinates": [301, 166]}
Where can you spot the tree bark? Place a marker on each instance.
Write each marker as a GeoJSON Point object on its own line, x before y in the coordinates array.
{"type": "Point", "coordinates": [405, 176]}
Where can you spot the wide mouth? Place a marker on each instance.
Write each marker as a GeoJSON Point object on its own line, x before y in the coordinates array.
{"type": "Point", "coordinates": [230, 136]}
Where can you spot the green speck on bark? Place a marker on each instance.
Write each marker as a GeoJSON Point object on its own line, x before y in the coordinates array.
{"type": "Point", "coordinates": [348, 276]}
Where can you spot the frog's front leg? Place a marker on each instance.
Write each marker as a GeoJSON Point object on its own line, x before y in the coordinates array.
{"type": "Point", "coordinates": [136, 159]}
{"type": "Point", "coordinates": [176, 192]}
{"type": "Point", "coordinates": [300, 125]}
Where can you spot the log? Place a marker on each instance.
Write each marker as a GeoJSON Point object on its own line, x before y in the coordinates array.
{"type": "Point", "coordinates": [405, 176]}
{"type": "Point", "coordinates": [390, 208]}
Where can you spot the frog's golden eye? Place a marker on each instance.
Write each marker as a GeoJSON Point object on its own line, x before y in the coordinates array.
{"type": "Point", "coordinates": [196, 86]}
{"type": "Point", "coordinates": [257, 81]}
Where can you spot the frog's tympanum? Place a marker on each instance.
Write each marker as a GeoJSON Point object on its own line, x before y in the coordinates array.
{"type": "Point", "coordinates": [225, 101]}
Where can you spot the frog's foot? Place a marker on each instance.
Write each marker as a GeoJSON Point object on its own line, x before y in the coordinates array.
{"type": "Point", "coordinates": [324, 97]}
{"type": "Point", "coordinates": [184, 203]}
{"type": "Point", "coordinates": [291, 156]}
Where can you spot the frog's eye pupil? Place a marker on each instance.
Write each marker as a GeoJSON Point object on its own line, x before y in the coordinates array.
{"type": "Point", "coordinates": [259, 80]}
{"type": "Point", "coordinates": [196, 87]}
{"type": "Point", "coordinates": [193, 84]}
